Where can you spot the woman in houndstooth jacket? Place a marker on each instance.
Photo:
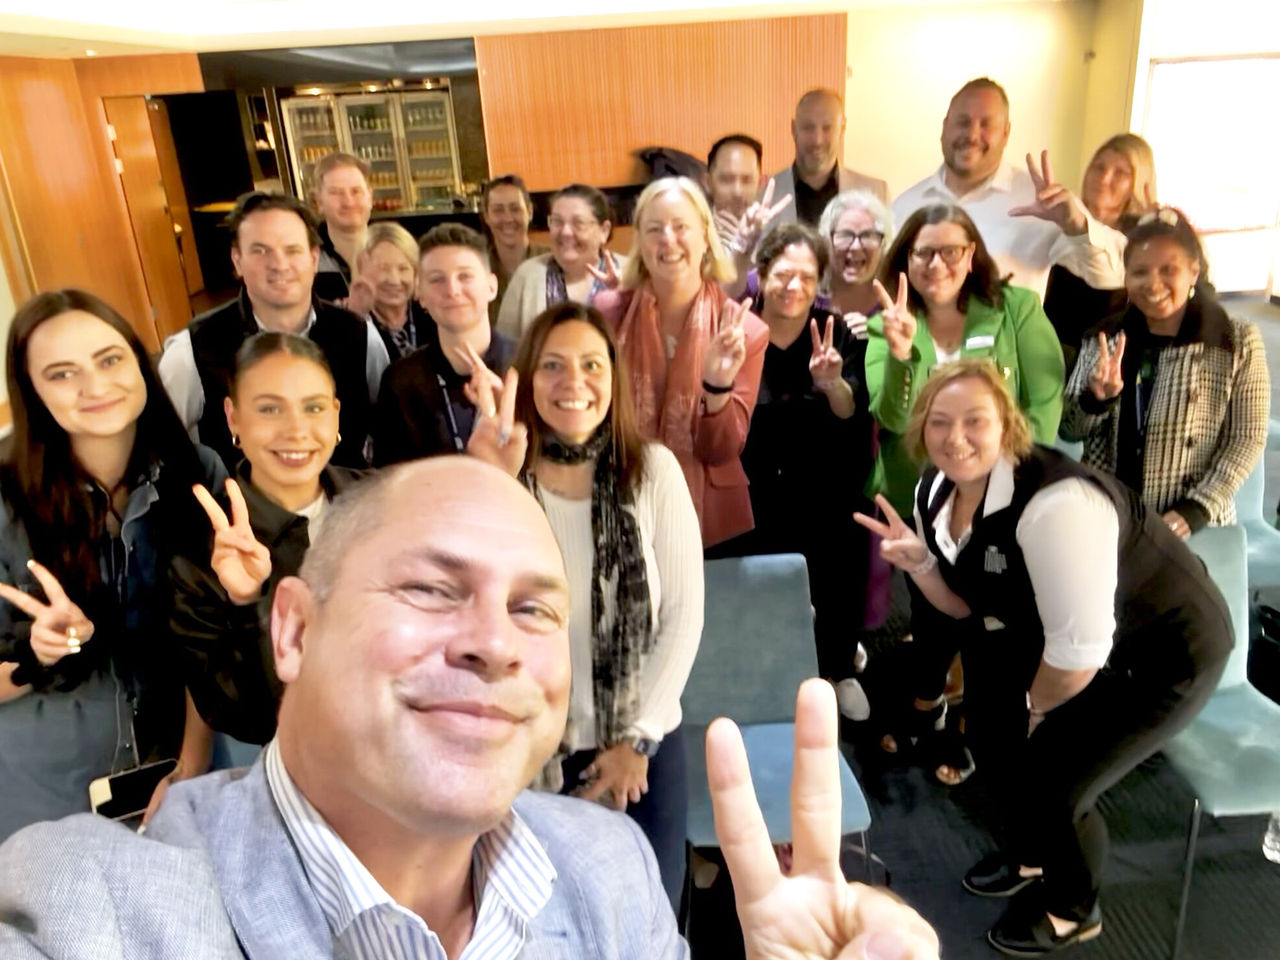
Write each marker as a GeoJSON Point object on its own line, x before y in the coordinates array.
{"type": "Point", "coordinates": [1171, 395]}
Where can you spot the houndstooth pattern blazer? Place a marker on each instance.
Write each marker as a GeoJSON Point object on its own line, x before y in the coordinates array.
{"type": "Point", "coordinates": [1207, 426]}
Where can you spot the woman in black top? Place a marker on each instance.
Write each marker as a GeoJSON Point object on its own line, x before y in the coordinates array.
{"type": "Point", "coordinates": [1119, 186]}
{"type": "Point", "coordinates": [808, 450]}
{"type": "Point", "coordinates": [283, 415]}
{"type": "Point", "coordinates": [96, 484]}
{"type": "Point", "coordinates": [1090, 635]}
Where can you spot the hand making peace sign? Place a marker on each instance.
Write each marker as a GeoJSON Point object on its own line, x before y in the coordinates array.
{"type": "Point", "coordinates": [899, 544]}
{"type": "Point", "coordinates": [825, 363]}
{"type": "Point", "coordinates": [741, 234]}
{"type": "Point", "coordinates": [609, 275]}
{"type": "Point", "coordinates": [813, 913]}
{"type": "Point", "coordinates": [58, 627]}
{"type": "Point", "coordinates": [496, 437]}
{"type": "Point", "coordinates": [240, 561]}
{"type": "Point", "coordinates": [1053, 202]}
{"type": "Point", "coordinates": [899, 321]}
{"type": "Point", "coordinates": [727, 350]}
{"type": "Point", "coordinates": [1106, 380]}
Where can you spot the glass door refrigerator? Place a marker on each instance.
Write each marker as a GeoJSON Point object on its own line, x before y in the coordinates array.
{"type": "Point", "coordinates": [372, 126]}
{"type": "Point", "coordinates": [311, 128]}
{"type": "Point", "coordinates": [431, 148]}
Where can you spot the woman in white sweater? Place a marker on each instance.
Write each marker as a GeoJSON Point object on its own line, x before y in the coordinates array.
{"type": "Point", "coordinates": [621, 511]}
{"type": "Point", "coordinates": [577, 268]}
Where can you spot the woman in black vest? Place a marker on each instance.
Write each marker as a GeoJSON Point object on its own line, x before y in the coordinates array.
{"type": "Point", "coordinates": [283, 416]}
{"type": "Point", "coordinates": [1035, 556]}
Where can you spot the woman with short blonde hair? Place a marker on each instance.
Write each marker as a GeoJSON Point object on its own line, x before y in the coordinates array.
{"type": "Point", "coordinates": [385, 287]}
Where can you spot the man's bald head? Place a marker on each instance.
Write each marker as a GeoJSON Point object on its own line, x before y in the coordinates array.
{"type": "Point", "coordinates": [818, 129]}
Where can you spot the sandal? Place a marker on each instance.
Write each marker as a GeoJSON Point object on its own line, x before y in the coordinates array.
{"type": "Point", "coordinates": [939, 745]}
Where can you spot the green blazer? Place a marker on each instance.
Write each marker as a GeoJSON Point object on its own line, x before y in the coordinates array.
{"type": "Point", "coordinates": [1018, 338]}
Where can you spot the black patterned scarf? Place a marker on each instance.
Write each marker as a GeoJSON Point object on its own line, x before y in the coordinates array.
{"type": "Point", "coordinates": [621, 645]}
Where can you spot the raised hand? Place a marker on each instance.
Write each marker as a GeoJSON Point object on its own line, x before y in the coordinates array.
{"type": "Point", "coordinates": [58, 627]}
{"type": "Point", "coordinates": [609, 275]}
{"type": "Point", "coordinates": [1106, 380]}
{"type": "Point", "coordinates": [825, 363]}
{"type": "Point", "coordinates": [618, 776]}
{"type": "Point", "coordinates": [360, 298]}
{"type": "Point", "coordinates": [1054, 202]}
{"type": "Point", "coordinates": [899, 321]}
{"type": "Point", "coordinates": [240, 561]}
{"type": "Point", "coordinates": [857, 324]}
{"type": "Point", "coordinates": [727, 350]}
{"type": "Point", "coordinates": [813, 913]}
{"type": "Point", "coordinates": [741, 234]}
{"type": "Point", "coordinates": [496, 437]}
{"type": "Point", "coordinates": [899, 544]}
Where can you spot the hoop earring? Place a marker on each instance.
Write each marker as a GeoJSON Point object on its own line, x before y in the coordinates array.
{"type": "Point", "coordinates": [235, 440]}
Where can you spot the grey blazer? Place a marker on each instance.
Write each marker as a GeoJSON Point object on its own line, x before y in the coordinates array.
{"type": "Point", "coordinates": [216, 876]}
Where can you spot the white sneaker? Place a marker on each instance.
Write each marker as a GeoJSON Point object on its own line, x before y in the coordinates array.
{"type": "Point", "coordinates": [852, 699]}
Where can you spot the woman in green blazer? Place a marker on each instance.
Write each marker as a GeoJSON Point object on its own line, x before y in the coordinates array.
{"type": "Point", "coordinates": [952, 303]}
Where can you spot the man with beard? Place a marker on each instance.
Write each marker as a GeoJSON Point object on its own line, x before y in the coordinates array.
{"type": "Point", "coordinates": [1028, 220]}
{"type": "Point", "coordinates": [816, 175]}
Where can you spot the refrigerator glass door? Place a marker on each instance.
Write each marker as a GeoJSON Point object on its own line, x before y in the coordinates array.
{"type": "Point", "coordinates": [374, 133]}
{"type": "Point", "coordinates": [312, 132]}
{"type": "Point", "coordinates": [432, 148]}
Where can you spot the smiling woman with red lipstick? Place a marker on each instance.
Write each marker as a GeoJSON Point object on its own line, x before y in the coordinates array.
{"type": "Point", "coordinates": [1172, 395]}
{"type": "Point", "coordinates": [283, 416]}
{"type": "Point", "coordinates": [95, 482]}
{"type": "Point", "coordinates": [625, 523]}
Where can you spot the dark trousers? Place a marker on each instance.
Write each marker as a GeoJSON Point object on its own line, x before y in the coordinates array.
{"type": "Point", "coordinates": [1047, 786]}
{"type": "Point", "coordinates": [662, 813]}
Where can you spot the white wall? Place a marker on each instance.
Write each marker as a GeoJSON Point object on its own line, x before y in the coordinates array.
{"type": "Point", "coordinates": [906, 61]}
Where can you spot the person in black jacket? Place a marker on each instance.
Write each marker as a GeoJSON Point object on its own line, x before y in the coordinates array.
{"type": "Point", "coordinates": [275, 248]}
{"type": "Point", "coordinates": [1090, 634]}
{"type": "Point", "coordinates": [423, 408]}
{"type": "Point", "coordinates": [283, 415]}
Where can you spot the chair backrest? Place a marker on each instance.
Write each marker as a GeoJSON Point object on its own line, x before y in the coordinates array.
{"type": "Point", "coordinates": [1225, 553]}
{"type": "Point", "coordinates": [757, 641]}
{"type": "Point", "coordinates": [1072, 448]}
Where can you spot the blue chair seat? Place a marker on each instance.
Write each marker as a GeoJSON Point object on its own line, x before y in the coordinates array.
{"type": "Point", "coordinates": [1230, 753]}
{"type": "Point", "coordinates": [769, 752]}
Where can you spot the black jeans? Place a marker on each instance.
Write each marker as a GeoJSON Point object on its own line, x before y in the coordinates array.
{"type": "Point", "coordinates": [662, 813]}
{"type": "Point", "coordinates": [1047, 786]}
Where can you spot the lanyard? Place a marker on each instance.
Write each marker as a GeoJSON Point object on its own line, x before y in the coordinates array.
{"type": "Point", "coordinates": [448, 412]}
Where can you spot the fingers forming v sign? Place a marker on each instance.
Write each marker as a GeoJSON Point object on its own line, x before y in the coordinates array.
{"type": "Point", "coordinates": [728, 347]}
{"type": "Point", "coordinates": [825, 363]}
{"type": "Point", "coordinates": [899, 321]}
{"type": "Point", "coordinates": [58, 627]}
{"type": "Point", "coordinates": [1054, 202]}
{"type": "Point", "coordinates": [496, 437]}
{"type": "Point", "coordinates": [609, 275]}
{"type": "Point", "coordinates": [899, 544]}
{"type": "Point", "coordinates": [241, 563]}
{"type": "Point", "coordinates": [813, 912]}
{"type": "Point", "coordinates": [1106, 380]}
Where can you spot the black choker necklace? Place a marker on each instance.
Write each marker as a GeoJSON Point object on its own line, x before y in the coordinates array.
{"type": "Point", "coordinates": [557, 451]}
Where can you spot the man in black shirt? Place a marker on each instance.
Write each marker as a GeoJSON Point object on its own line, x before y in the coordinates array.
{"type": "Point", "coordinates": [422, 408]}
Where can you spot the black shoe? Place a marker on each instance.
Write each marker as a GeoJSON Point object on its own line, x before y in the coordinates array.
{"type": "Point", "coordinates": [1020, 934]}
{"type": "Point", "coordinates": [995, 876]}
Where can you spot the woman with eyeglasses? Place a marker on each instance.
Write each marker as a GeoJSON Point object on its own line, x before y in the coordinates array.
{"type": "Point", "coordinates": [951, 304]}
{"type": "Point", "coordinates": [1172, 395]}
{"type": "Point", "coordinates": [578, 267]}
{"type": "Point", "coordinates": [506, 209]}
{"type": "Point", "coordinates": [1119, 187]}
{"type": "Point", "coordinates": [858, 226]}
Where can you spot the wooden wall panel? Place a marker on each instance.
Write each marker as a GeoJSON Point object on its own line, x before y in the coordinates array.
{"type": "Point", "coordinates": [576, 105]}
{"type": "Point", "coordinates": [61, 198]}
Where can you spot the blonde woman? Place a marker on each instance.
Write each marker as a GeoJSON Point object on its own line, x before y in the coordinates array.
{"type": "Point", "coordinates": [694, 357]}
{"type": "Point", "coordinates": [385, 286]}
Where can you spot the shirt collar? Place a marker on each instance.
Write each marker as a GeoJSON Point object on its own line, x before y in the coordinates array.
{"type": "Point", "coordinates": [999, 491]}
{"type": "Point", "coordinates": [508, 862]}
{"type": "Point", "coordinates": [1000, 182]}
{"type": "Point", "coordinates": [306, 327]}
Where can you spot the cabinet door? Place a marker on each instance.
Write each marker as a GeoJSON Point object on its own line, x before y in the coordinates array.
{"type": "Point", "coordinates": [312, 132]}
{"type": "Point", "coordinates": [374, 131]}
{"type": "Point", "coordinates": [431, 149]}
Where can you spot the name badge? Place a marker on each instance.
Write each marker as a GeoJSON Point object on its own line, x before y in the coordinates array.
{"type": "Point", "coordinates": [993, 561]}
{"type": "Point", "coordinates": [981, 342]}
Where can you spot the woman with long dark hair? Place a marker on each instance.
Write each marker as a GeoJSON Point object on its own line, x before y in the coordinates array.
{"type": "Point", "coordinates": [625, 523]}
{"type": "Point", "coordinates": [96, 489]}
{"type": "Point", "coordinates": [283, 415]}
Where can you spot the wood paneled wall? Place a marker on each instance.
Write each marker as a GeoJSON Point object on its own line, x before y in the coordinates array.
{"type": "Point", "coordinates": [576, 105]}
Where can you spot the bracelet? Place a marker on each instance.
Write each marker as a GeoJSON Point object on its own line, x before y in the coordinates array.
{"type": "Point", "coordinates": [924, 566]}
{"type": "Point", "coordinates": [1031, 708]}
{"type": "Point", "coordinates": [712, 389]}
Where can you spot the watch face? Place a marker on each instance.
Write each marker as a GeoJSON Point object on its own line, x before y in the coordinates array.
{"type": "Point", "coordinates": [646, 748]}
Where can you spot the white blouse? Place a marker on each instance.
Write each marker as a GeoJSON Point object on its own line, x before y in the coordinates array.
{"type": "Point", "coordinates": [672, 543]}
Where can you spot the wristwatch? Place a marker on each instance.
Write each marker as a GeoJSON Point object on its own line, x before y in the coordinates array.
{"type": "Point", "coordinates": [645, 747]}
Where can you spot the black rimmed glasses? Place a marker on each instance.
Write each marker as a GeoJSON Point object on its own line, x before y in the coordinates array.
{"type": "Point", "coordinates": [867, 239]}
{"type": "Point", "coordinates": [950, 254]}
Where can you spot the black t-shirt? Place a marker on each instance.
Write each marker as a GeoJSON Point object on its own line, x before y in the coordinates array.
{"type": "Point", "coordinates": [810, 202]}
{"type": "Point", "coordinates": [1141, 367]}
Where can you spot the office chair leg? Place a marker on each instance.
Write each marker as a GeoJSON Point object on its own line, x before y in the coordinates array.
{"type": "Point", "coordinates": [1193, 835]}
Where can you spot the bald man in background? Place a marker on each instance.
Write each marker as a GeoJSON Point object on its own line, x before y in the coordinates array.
{"type": "Point", "coordinates": [816, 175]}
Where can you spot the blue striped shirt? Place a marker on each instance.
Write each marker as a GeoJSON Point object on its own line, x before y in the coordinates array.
{"type": "Point", "coordinates": [511, 877]}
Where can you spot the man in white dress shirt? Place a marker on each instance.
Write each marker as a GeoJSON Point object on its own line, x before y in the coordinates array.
{"type": "Point", "coordinates": [1028, 220]}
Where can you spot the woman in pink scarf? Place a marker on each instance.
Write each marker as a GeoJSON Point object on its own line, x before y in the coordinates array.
{"type": "Point", "coordinates": [694, 356]}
